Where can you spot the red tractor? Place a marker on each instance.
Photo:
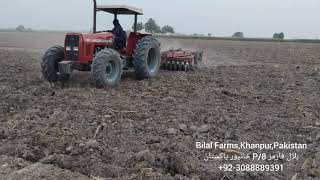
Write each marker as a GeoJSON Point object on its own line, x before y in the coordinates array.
{"type": "Point", "coordinates": [94, 52]}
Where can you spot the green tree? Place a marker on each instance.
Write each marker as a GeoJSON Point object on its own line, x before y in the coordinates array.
{"type": "Point", "coordinates": [167, 29]}
{"type": "Point", "coordinates": [151, 26]}
{"type": "Point", "coordinates": [140, 26]}
{"type": "Point", "coordinates": [278, 35]}
{"type": "Point", "coordinates": [21, 28]}
{"type": "Point", "coordinates": [281, 35]}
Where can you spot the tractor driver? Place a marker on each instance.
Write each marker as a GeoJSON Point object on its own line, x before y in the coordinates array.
{"type": "Point", "coordinates": [120, 39]}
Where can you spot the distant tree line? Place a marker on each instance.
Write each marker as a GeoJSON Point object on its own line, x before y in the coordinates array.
{"type": "Point", "coordinates": [275, 35]}
{"type": "Point", "coordinates": [152, 27]}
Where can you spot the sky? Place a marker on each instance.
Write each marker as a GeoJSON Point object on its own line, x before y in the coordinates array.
{"type": "Point", "coordinates": [256, 18]}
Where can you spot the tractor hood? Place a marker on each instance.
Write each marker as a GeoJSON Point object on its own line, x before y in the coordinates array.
{"type": "Point", "coordinates": [80, 47]}
{"type": "Point", "coordinates": [100, 38]}
{"type": "Point", "coordinates": [104, 37]}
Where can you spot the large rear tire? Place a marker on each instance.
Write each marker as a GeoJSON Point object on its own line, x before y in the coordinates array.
{"type": "Point", "coordinates": [106, 68]}
{"type": "Point", "coordinates": [146, 58]}
{"type": "Point", "coordinates": [49, 64]}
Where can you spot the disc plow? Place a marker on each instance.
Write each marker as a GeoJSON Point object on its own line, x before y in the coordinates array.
{"type": "Point", "coordinates": [180, 60]}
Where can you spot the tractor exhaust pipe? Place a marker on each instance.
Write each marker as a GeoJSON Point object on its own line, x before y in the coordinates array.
{"type": "Point", "coordinates": [94, 29]}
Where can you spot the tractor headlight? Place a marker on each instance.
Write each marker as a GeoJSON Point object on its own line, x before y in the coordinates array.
{"type": "Point", "coordinates": [68, 48]}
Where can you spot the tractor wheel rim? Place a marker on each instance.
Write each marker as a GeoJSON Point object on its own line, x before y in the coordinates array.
{"type": "Point", "coordinates": [152, 61]}
{"type": "Point", "coordinates": [111, 71]}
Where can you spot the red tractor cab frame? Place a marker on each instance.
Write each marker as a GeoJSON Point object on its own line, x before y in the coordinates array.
{"type": "Point", "coordinates": [122, 10]}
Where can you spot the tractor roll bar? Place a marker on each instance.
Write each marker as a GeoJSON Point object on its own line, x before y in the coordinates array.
{"type": "Point", "coordinates": [135, 22]}
{"type": "Point", "coordinates": [94, 29]}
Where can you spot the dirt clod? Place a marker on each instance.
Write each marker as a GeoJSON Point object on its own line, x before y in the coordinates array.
{"type": "Point", "coordinates": [204, 128]}
{"type": "Point", "coordinates": [183, 127]}
{"type": "Point", "coordinates": [172, 131]}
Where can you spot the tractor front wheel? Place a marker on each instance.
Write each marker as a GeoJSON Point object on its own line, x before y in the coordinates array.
{"type": "Point", "coordinates": [49, 64]}
{"type": "Point", "coordinates": [106, 68]}
{"type": "Point", "coordinates": [146, 58]}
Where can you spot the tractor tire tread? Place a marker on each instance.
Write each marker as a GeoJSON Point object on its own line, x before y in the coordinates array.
{"type": "Point", "coordinates": [139, 55]}
{"type": "Point", "coordinates": [98, 69]}
{"type": "Point", "coordinates": [49, 62]}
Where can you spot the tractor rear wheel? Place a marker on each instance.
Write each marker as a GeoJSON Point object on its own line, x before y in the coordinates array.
{"type": "Point", "coordinates": [146, 58]}
{"type": "Point", "coordinates": [106, 68]}
{"type": "Point", "coordinates": [50, 67]}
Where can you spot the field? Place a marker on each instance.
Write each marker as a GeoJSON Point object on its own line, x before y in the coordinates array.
{"type": "Point", "coordinates": [256, 92]}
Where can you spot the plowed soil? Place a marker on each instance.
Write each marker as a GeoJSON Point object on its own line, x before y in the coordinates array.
{"type": "Point", "coordinates": [246, 91]}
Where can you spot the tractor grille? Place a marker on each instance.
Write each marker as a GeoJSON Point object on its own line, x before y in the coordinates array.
{"type": "Point", "coordinates": [72, 47]}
